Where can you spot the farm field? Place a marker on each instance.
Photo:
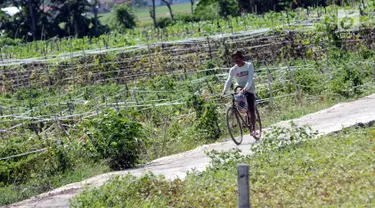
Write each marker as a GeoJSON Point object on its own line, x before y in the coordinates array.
{"type": "Point", "coordinates": [67, 118]}
{"type": "Point", "coordinates": [67, 114]}
{"type": "Point", "coordinates": [299, 20]}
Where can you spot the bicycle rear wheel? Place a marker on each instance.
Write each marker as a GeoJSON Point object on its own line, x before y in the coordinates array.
{"type": "Point", "coordinates": [258, 125]}
{"type": "Point", "coordinates": [234, 125]}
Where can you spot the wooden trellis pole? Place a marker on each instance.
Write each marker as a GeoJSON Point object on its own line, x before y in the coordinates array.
{"type": "Point", "coordinates": [209, 47]}
{"type": "Point", "coordinates": [149, 55]}
{"type": "Point", "coordinates": [95, 101]}
{"type": "Point", "coordinates": [117, 108]}
{"type": "Point", "coordinates": [298, 92]}
{"type": "Point", "coordinates": [270, 85]}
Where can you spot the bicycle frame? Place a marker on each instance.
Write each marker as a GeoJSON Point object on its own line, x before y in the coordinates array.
{"type": "Point", "coordinates": [244, 121]}
{"type": "Point", "coordinates": [241, 117]}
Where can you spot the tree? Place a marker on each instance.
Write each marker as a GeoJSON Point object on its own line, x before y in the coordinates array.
{"type": "Point", "coordinates": [279, 5]}
{"type": "Point", "coordinates": [152, 13]}
{"type": "Point", "coordinates": [124, 17]}
{"type": "Point", "coordinates": [169, 8]}
{"type": "Point", "coordinates": [31, 20]}
{"type": "Point", "coordinates": [72, 13]}
{"type": "Point", "coordinates": [95, 11]}
{"type": "Point", "coordinates": [229, 8]}
{"type": "Point", "coordinates": [5, 24]}
{"type": "Point", "coordinates": [41, 19]}
{"type": "Point", "coordinates": [192, 6]}
{"type": "Point", "coordinates": [32, 17]}
{"type": "Point", "coordinates": [4, 20]}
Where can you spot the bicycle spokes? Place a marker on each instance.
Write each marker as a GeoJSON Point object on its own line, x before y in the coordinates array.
{"type": "Point", "coordinates": [234, 125]}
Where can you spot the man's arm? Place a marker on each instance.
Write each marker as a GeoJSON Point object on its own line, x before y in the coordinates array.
{"type": "Point", "coordinates": [229, 80]}
{"type": "Point", "coordinates": [250, 77]}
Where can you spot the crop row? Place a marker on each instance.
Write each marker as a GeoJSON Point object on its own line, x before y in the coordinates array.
{"type": "Point", "coordinates": [168, 59]}
{"type": "Point", "coordinates": [296, 19]}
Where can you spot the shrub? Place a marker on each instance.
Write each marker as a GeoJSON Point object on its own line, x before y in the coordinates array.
{"type": "Point", "coordinates": [213, 8]}
{"type": "Point", "coordinates": [164, 22]}
{"type": "Point", "coordinates": [308, 81]}
{"type": "Point", "coordinates": [116, 138]}
{"type": "Point", "coordinates": [6, 41]}
{"type": "Point", "coordinates": [187, 18]}
{"type": "Point", "coordinates": [207, 126]}
{"type": "Point", "coordinates": [38, 165]}
{"type": "Point", "coordinates": [196, 102]}
{"type": "Point", "coordinates": [208, 12]}
{"type": "Point", "coordinates": [347, 81]}
{"type": "Point", "coordinates": [124, 17]}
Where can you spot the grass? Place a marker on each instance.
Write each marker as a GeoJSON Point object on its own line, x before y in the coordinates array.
{"type": "Point", "coordinates": [18, 192]}
{"type": "Point", "coordinates": [334, 171]}
{"type": "Point", "coordinates": [289, 109]}
{"type": "Point", "coordinates": [143, 14]}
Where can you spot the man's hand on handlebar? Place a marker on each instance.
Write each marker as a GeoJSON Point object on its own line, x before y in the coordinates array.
{"type": "Point", "coordinates": [243, 90]}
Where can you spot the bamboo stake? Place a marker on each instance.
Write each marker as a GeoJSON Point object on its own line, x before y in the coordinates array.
{"type": "Point", "coordinates": [270, 85]}
{"type": "Point", "coordinates": [298, 93]}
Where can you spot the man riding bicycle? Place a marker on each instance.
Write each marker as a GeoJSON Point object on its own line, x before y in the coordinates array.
{"type": "Point", "coordinates": [243, 74]}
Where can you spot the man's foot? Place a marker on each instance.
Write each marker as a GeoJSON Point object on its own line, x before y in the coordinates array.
{"type": "Point", "coordinates": [253, 134]}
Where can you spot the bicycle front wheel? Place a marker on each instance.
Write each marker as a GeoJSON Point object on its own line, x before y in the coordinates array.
{"type": "Point", "coordinates": [234, 125]}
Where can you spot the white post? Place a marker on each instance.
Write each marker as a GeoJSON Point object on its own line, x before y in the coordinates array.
{"type": "Point", "coordinates": [243, 186]}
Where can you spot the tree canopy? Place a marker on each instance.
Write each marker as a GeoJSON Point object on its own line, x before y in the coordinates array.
{"type": "Point", "coordinates": [42, 19]}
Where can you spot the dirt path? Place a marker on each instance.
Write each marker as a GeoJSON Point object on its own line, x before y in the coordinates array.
{"type": "Point", "coordinates": [325, 121]}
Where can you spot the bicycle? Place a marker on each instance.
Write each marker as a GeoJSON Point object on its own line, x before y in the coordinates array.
{"type": "Point", "coordinates": [235, 121]}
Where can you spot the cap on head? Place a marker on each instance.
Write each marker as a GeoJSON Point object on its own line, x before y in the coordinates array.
{"type": "Point", "coordinates": [238, 53]}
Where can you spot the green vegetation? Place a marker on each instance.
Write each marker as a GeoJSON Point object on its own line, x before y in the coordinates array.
{"type": "Point", "coordinates": [42, 183]}
{"type": "Point", "coordinates": [143, 15]}
{"type": "Point", "coordinates": [161, 11]}
{"type": "Point", "coordinates": [41, 20]}
{"type": "Point", "coordinates": [333, 171]}
{"type": "Point", "coordinates": [123, 109]}
{"type": "Point", "coordinates": [163, 113]}
{"type": "Point", "coordinates": [116, 138]}
{"type": "Point", "coordinates": [123, 17]}
{"type": "Point", "coordinates": [181, 29]}
{"type": "Point", "coordinates": [225, 8]}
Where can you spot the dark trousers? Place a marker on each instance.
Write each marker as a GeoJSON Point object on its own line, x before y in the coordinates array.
{"type": "Point", "coordinates": [250, 97]}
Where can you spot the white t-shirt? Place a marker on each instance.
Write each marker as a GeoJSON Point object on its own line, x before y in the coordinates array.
{"type": "Point", "coordinates": [243, 77]}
